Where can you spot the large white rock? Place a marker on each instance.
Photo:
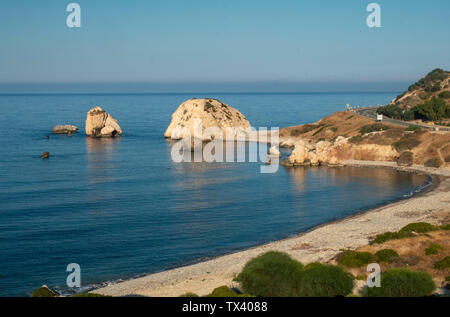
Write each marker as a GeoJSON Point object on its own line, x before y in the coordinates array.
{"type": "Point", "coordinates": [195, 115]}
{"type": "Point", "coordinates": [101, 124]}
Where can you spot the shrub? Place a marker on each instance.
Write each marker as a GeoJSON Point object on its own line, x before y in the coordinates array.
{"type": "Point", "coordinates": [320, 280]}
{"type": "Point", "coordinates": [355, 139]}
{"type": "Point", "coordinates": [445, 227]}
{"type": "Point", "coordinates": [373, 127]}
{"type": "Point", "coordinates": [402, 283]}
{"type": "Point", "coordinates": [224, 291]}
{"type": "Point", "coordinates": [433, 162]}
{"type": "Point", "coordinates": [444, 95]}
{"type": "Point", "coordinates": [385, 255]}
{"type": "Point", "coordinates": [443, 264]}
{"type": "Point", "coordinates": [44, 291]}
{"type": "Point", "coordinates": [392, 111]}
{"type": "Point", "coordinates": [354, 259]}
{"type": "Point", "coordinates": [381, 238]}
{"type": "Point", "coordinates": [433, 109]}
{"type": "Point", "coordinates": [419, 227]}
{"type": "Point", "coordinates": [406, 159]}
{"type": "Point", "coordinates": [272, 274]}
{"type": "Point", "coordinates": [406, 143]}
{"type": "Point", "coordinates": [433, 249]}
{"type": "Point", "coordinates": [334, 129]}
{"type": "Point", "coordinates": [412, 128]}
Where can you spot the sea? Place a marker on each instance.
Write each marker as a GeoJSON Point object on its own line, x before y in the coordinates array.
{"type": "Point", "coordinates": [121, 207]}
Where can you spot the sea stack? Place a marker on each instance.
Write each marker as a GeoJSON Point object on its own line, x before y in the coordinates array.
{"type": "Point", "coordinates": [99, 123]}
{"type": "Point", "coordinates": [209, 113]}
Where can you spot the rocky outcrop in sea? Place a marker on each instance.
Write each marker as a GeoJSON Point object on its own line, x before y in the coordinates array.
{"type": "Point", "coordinates": [99, 123]}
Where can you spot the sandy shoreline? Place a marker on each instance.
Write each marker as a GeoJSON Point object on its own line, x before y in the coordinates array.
{"type": "Point", "coordinates": [320, 244]}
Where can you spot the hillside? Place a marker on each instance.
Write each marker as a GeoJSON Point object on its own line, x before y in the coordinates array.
{"type": "Point", "coordinates": [426, 100]}
{"type": "Point", "coordinates": [347, 136]}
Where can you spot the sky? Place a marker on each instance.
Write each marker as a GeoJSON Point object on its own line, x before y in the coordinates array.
{"type": "Point", "coordinates": [231, 41]}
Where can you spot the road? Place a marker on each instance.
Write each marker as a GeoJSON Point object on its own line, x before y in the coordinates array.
{"type": "Point", "coordinates": [371, 113]}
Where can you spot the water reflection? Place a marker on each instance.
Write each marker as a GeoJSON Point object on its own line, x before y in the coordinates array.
{"type": "Point", "coordinates": [381, 179]}
{"type": "Point", "coordinates": [100, 159]}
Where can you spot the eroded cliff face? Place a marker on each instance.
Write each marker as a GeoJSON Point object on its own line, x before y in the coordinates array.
{"type": "Point", "coordinates": [196, 115]}
{"type": "Point", "coordinates": [335, 153]}
{"type": "Point", "coordinates": [341, 137]}
{"type": "Point", "coordinates": [99, 123]}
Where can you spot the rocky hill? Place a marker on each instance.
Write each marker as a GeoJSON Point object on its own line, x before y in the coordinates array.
{"type": "Point", "coordinates": [426, 100]}
{"type": "Point", "coordinates": [345, 135]}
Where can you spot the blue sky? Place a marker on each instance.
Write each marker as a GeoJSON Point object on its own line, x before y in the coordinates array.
{"type": "Point", "coordinates": [222, 41]}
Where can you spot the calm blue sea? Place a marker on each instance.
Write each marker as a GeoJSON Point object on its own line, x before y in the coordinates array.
{"type": "Point", "coordinates": [120, 207]}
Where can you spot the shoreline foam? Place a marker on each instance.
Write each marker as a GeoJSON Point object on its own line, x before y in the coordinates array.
{"type": "Point", "coordinates": [321, 243]}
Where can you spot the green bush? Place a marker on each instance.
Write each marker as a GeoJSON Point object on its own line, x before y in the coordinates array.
{"type": "Point", "coordinates": [445, 227]}
{"type": "Point", "coordinates": [320, 280]}
{"type": "Point", "coordinates": [355, 139]}
{"type": "Point", "coordinates": [406, 143]}
{"type": "Point", "coordinates": [412, 128]}
{"type": "Point", "coordinates": [433, 162]}
{"type": "Point", "coordinates": [189, 294]}
{"type": "Point", "coordinates": [381, 238]}
{"type": "Point", "coordinates": [402, 283]}
{"type": "Point", "coordinates": [443, 264]}
{"type": "Point", "coordinates": [44, 291]}
{"type": "Point", "coordinates": [224, 291]}
{"type": "Point", "coordinates": [385, 255]}
{"type": "Point", "coordinates": [433, 249]}
{"type": "Point", "coordinates": [355, 259]}
{"type": "Point", "coordinates": [419, 227]}
{"type": "Point", "coordinates": [392, 111]}
{"type": "Point", "coordinates": [435, 75]}
{"type": "Point", "coordinates": [434, 109]}
{"type": "Point", "coordinates": [444, 95]}
{"type": "Point", "coordinates": [272, 274]}
{"type": "Point", "coordinates": [373, 127]}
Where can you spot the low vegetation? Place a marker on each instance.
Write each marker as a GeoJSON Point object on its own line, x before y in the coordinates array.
{"type": "Point", "coordinates": [443, 264]}
{"type": "Point", "coordinates": [44, 291]}
{"type": "Point", "coordinates": [354, 259]}
{"type": "Point", "coordinates": [434, 248]}
{"type": "Point", "coordinates": [405, 232]}
{"type": "Point", "coordinates": [319, 280]}
{"type": "Point", "coordinates": [385, 255]}
{"type": "Point", "coordinates": [406, 159]}
{"type": "Point", "coordinates": [402, 283]}
{"type": "Point", "coordinates": [373, 128]}
{"type": "Point", "coordinates": [225, 291]}
{"type": "Point", "coordinates": [272, 274]}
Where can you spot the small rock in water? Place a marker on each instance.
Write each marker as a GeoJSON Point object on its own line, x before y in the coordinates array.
{"type": "Point", "coordinates": [45, 155]}
{"type": "Point", "coordinates": [47, 137]}
{"type": "Point", "coordinates": [64, 129]}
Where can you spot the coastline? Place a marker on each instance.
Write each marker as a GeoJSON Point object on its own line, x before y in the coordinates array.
{"type": "Point", "coordinates": [321, 243]}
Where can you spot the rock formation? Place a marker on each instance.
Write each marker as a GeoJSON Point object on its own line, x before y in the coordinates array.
{"type": "Point", "coordinates": [64, 129]}
{"type": "Point", "coordinates": [328, 153]}
{"type": "Point", "coordinates": [209, 113]}
{"type": "Point", "coordinates": [101, 124]}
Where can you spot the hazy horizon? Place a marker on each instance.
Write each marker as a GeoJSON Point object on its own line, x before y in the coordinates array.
{"type": "Point", "coordinates": [198, 87]}
{"type": "Point", "coordinates": [224, 41]}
